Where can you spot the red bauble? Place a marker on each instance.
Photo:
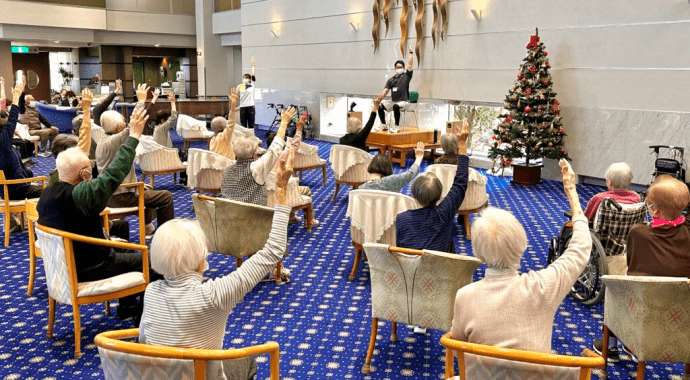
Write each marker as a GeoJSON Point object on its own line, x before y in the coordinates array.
{"type": "Point", "coordinates": [562, 150]}
{"type": "Point", "coordinates": [500, 142]}
{"type": "Point", "coordinates": [533, 69]}
{"type": "Point", "coordinates": [550, 144]}
{"type": "Point", "coordinates": [520, 76]}
{"type": "Point", "coordinates": [524, 80]}
{"type": "Point", "coordinates": [545, 82]}
{"type": "Point", "coordinates": [560, 130]}
{"type": "Point", "coordinates": [546, 53]}
{"type": "Point", "coordinates": [512, 142]}
{"type": "Point", "coordinates": [493, 137]}
{"type": "Point", "coordinates": [509, 118]}
{"type": "Point", "coordinates": [528, 91]}
{"type": "Point", "coordinates": [528, 109]}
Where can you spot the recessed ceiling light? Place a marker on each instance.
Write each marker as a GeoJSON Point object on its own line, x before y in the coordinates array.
{"type": "Point", "coordinates": [57, 42]}
{"type": "Point", "coordinates": [157, 45]}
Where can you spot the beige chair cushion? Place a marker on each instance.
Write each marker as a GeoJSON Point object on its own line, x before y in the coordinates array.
{"type": "Point", "coordinates": [112, 284]}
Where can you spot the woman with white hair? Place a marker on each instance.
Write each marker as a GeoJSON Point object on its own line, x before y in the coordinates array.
{"type": "Point", "coordinates": [449, 145]}
{"type": "Point", "coordinates": [356, 135]}
{"type": "Point", "coordinates": [517, 309]}
{"type": "Point", "coordinates": [184, 311]}
{"type": "Point", "coordinates": [221, 143]}
{"type": "Point", "coordinates": [619, 175]}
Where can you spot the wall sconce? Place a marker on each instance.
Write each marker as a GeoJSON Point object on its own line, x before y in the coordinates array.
{"type": "Point", "coordinates": [355, 26]}
{"type": "Point", "coordinates": [477, 13]}
{"type": "Point", "coordinates": [275, 33]}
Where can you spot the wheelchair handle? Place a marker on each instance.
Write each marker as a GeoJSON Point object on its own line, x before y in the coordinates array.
{"type": "Point", "coordinates": [611, 202]}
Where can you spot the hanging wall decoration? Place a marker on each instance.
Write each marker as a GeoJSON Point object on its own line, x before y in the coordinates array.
{"type": "Point", "coordinates": [386, 13]}
{"type": "Point", "coordinates": [375, 28]}
{"type": "Point", "coordinates": [419, 27]}
{"type": "Point", "coordinates": [443, 4]}
{"type": "Point", "coordinates": [434, 25]}
{"type": "Point", "coordinates": [404, 18]}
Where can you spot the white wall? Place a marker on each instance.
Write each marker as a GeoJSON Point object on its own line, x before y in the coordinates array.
{"type": "Point", "coordinates": [615, 58]}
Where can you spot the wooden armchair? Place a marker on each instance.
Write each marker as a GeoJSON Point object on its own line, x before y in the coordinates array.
{"type": "Point", "coordinates": [509, 363]}
{"type": "Point", "coordinates": [9, 207]}
{"type": "Point", "coordinates": [294, 199]}
{"type": "Point", "coordinates": [650, 316]}
{"type": "Point", "coordinates": [349, 166]}
{"type": "Point", "coordinates": [372, 219]}
{"type": "Point", "coordinates": [130, 360]}
{"type": "Point", "coordinates": [476, 198]}
{"type": "Point", "coordinates": [123, 212]}
{"type": "Point", "coordinates": [414, 287]}
{"type": "Point", "coordinates": [205, 170]}
{"type": "Point", "coordinates": [61, 277]}
{"type": "Point", "coordinates": [307, 158]}
{"type": "Point", "coordinates": [160, 160]}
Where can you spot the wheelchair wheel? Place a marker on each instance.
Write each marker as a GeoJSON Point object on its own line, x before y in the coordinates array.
{"type": "Point", "coordinates": [588, 288]}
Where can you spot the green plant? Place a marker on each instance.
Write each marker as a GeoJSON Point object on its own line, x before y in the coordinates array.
{"type": "Point", "coordinates": [67, 76]}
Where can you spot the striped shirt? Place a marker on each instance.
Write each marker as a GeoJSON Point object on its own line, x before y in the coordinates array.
{"type": "Point", "coordinates": [431, 227]}
{"type": "Point", "coordinates": [184, 311]}
{"type": "Point", "coordinates": [393, 182]}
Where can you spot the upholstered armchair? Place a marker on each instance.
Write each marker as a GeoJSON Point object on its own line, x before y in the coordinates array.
{"type": "Point", "coordinates": [349, 165]}
{"type": "Point", "coordinates": [295, 200]}
{"type": "Point", "coordinates": [476, 197]}
{"type": "Point", "coordinates": [491, 362]}
{"type": "Point", "coordinates": [61, 277]}
{"type": "Point", "coordinates": [414, 287]}
{"type": "Point", "coordinates": [372, 219]}
{"type": "Point", "coordinates": [130, 360]}
{"type": "Point", "coordinates": [9, 207]}
{"type": "Point", "coordinates": [307, 158]}
{"type": "Point", "coordinates": [155, 159]}
{"type": "Point", "coordinates": [651, 316]}
{"type": "Point", "coordinates": [234, 228]}
{"type": "Point", "coordinates": [205, 170]}
{"type": "Point", "coordinates": [192, 129]}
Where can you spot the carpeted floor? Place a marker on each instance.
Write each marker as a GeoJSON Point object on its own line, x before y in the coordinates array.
{"type": "Point", "coordinates": [321, 320]}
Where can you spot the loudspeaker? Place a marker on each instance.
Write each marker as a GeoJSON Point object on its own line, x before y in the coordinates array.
{"type": "Point", "coordinates": [450, 124]}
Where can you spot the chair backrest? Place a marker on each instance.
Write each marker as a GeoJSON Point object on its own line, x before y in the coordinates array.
{"type": "Point", "coordinates": [349, 164]}
{"type": "Point", "coordinates": [372, 215]}
{"type": "Point", "coordinates": [651, 315]}
{"type": "Point", "coordinates": [475, 196]}
{"type": "Point", "coordinates": [57, 266]}
{"type": "Point", "coordinates": [307, 155]}
{"type": "Point", "coordinates": [189, 127]}
{"type": "Point", "coordinates": [205, 168]}
{"type": "Point", "coordinates": [613, 226]}
{"type": "Point", "coordinates": [130, 360]}
{"type": "Point", "coordinates": [416, 287]}
{"type": "Point", "coordinates": [97, 133]}
{"type": "Point", "coordinates": [504, 363]}
{"type": "Point", "coordinates": [156, 157]}
{"type": "Point", "coordinates": [233, 228]}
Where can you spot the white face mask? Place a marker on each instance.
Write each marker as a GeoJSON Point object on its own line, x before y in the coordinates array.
{"type": "Point", "coordinates": [400, 71]}
{"type": "Point", "coordinates": [32, 104]}
{"type": "Point", "coordinates": [245, 81]}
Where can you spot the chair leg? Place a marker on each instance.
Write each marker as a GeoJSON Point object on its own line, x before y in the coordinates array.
{"type": "Point", "coordinates": [309, 215]}
{"type": "Point", "coordinates": [394, 331]}
{"type": "Point", "coordinates": [467, 227]}
{"type": "Point", "coordinates": [300, 175]}
{"type": "Point", "coordinates": [279, 272]}
{"type": "Point", "coordinates": [107, 308]}
{"type": "Point", "coordinates": [175, 177]}
{"type": "Point", "coordinates": [323, 171]}
{"type": "Point", "coordinates": [185, 146]}
{"type": "Point", "coordinates": [7, 227]}
{"type": "Point", "coordinates": [143, 177]}
{"type": "Point", "coordinates": [366, 368]}
{"type": "Point", "coordinates": [152, 180]}
{"type": "Point", "coordinates": [21, 221]}
{"type": "Point", "coordinates": [605, 349]}
{"type": "Point", "coordinates": [51, 317]}
{"type": "Point", "coordinates": [335, 194]}
{"type": "Point", "coordinates": [32, 269]}
{"type": "Point", "coordinates": [355, 264]}
{"type": "Point", "coordinates": [640, 370]}
{"type": "Point", "coordinates": [77, 331]}
{"type": "Point", "coordinates": [238, 262]}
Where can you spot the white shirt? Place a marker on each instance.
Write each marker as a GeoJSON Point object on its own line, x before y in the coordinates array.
{"type": "Point", "coordinates": [246, 92]}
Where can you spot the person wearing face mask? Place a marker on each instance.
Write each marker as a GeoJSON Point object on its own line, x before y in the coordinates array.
{"type": "Point", "coordinates": [246, 91]}
{"type": "Point", "coordinates": [399, 86]}
{"type": "Point", "coordinates": [38, 125]}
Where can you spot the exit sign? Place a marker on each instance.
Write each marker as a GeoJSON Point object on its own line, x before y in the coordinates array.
{"type": "Point", "coordinates": [20, 49]}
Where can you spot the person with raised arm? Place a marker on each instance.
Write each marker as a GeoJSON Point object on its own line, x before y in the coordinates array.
{"type": "Point", "coordinates": [221, 143]}
{"type": "Point", "coordinates": [399, 86]}
{"type": "Point", "coordinates": [246, 93]}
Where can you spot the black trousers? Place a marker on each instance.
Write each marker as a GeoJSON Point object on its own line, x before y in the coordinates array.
{"type": "Point", "coordinates": [247, 115]}
{"type": "Point", "coordinates": [26, 192]}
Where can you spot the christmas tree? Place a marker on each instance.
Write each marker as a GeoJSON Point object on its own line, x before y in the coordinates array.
{"type": "Point", "coordinates": [532, 127]}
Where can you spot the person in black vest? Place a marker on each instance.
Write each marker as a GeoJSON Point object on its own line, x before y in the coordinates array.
{"type": "Point", "coordinates": [74, 204]}
{"type": "Point", "coordinates": [399, 85]}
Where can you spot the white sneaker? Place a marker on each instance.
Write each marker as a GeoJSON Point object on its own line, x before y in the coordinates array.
{"type": "Point", "coordinates": [45, 154]}
{"type": "Point", "coordinates": [419, 330]}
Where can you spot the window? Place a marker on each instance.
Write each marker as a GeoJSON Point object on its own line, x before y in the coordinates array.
{"type": "Point", "coordinates": [227, 5]}
{"type": "Point", "coordinates": [482, 119]}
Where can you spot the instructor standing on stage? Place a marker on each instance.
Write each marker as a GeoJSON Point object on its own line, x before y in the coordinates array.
{"type": "Point", "coordinates": [399, 85]}
{"type": "Point", "coordinates": [246, 91]}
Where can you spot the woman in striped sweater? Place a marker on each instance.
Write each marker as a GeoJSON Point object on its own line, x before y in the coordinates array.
{"type": "Point", "coordinates": [184, 311]}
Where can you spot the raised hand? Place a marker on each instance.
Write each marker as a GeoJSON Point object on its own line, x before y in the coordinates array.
{"type": "Point", "coordinates": [462, 137]}
{"type": "Point", "coordinates": [252, 62]}
{"type": "Point", "coordinates": [234, 97]}
{"type": "Point", "coordinates": [2, 81]}
{"type": "Point", "coordinates": [171, 96]}
{"type": "Point", "coordinates": [156, 94]}
{"type": "Point", "coordinates": [86, 99]}
{"type": "Point", "coordinates": [287, 115]}
{"type": "Point", "coordinates": [142, 91]}
{"type": "Point", "coordinates": [419, 151]}
{"type": "Point", "coordinates": [137, 122]}
{"type": "Point", "coordinates": [118, 86]}
{"type": "Point", "coordinates": [17, 92]}
{"type": "Point", "coordinates": [409, 48]}
{"type": "Point", "coordinates": [285, 166]}
{"type": "Point", "coordinates": [569, 186]}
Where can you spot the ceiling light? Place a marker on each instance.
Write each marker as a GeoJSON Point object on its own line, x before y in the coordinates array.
{"type": "Point", "coordinates": [157, 45]}
{"type": "Point", "coordinates": [57, 42]}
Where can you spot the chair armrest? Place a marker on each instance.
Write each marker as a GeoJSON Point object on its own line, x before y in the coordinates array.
{"type": "Point", "coordinates": [133, 184]}
{"type": "Point", "coordinates": [25, 180]}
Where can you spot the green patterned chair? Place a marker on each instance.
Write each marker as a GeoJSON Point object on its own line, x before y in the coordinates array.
{"type": "Point", "coordinates": [414, 287]}
{"type": "Point", "coordinates": [651, 316]}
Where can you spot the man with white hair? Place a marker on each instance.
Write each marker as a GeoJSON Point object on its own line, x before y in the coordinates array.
{"type": "Point", "coordinates": [74, 205]}
{"type": "Point", "coordinates": [517, 309]}
{"type": "Point", "coordinates": [158, 203]}
{"type": "Point", "coordinates": [185, 311]}
{"type": "Point", "coordinates": [431, 226]}
{"type": "Point", "coordinates": [246, 180]}
{"type": "Point", "coordinates": [356, 136]}
{"type": "Point", "coordinates": [619, 175]}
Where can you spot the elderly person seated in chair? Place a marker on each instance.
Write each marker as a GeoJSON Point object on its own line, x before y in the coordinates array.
{"type": "Point", "coordinates": [158, 203]}
{"type": "Point", "coordinates": [663, 247]}
{"type": "Point", "coordinates": [449, 145]}
{"type": "Point", "coordinates": [221, 143]}
{"type": "Point", "coordinates": [381, 175]}
{"type": "Point", "coordinates": [356, 135]}
{"type": "Point", "coordinates": [516, 310]}
{"type": "Point", "coordinates": [38, 124]}
{"type": "Point", "coordinates": [184, 311]}
{"type": "Point", "coordinates": [618, 177]}
{"type": "Point", "coordinates": [74, 204]}
{"type": "Point", "coordinates": [246, 180]}
{"type": "Point", "coordinates": [431, 226]}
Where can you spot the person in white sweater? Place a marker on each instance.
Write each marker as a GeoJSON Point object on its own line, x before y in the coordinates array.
{"type": "Point", "coordinates": [184, 311]}
{"type": "Point", "coordinates": [515, 310]}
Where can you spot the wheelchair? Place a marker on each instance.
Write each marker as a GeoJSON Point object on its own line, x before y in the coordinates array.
{"type": "Point", "coordinates": [609, 231]}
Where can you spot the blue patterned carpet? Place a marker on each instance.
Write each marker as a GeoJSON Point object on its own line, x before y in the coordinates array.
{"type": "Point", "coordinates": [321, 320]}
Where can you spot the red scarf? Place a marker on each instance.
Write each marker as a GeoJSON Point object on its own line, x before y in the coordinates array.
{"type": "Point", "coordinates": [658, 222]}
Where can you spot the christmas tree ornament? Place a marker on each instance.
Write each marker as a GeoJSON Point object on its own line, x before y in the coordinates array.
{"type": "Point", "coordinates": [528, 109]}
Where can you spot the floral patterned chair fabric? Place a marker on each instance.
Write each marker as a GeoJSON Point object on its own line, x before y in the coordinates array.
{"type": "Point", "coordinates": [124, 366]}
{"type": "Point", "coordinates": [650, 315]}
